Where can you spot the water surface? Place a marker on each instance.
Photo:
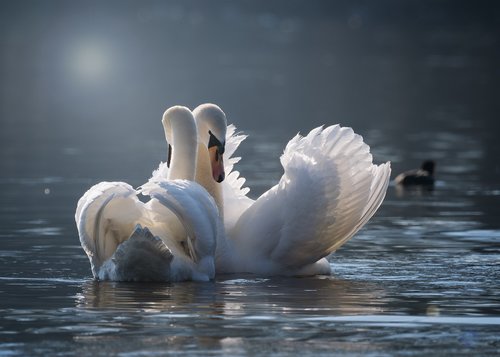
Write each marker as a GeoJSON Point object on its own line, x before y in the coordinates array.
{"type": "Point", "coordinates": [421, 278]}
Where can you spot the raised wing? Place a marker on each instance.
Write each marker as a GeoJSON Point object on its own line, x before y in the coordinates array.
{"type": "Point", "coordinates": [329, 190]}
{"type": "Point", "coordinates": [234, 193]}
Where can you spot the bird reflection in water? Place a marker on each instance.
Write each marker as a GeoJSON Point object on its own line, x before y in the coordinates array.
{"type": "Point", "coordinates": [231, 296]}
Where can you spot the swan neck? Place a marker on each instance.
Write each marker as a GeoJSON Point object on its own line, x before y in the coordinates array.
{"type": "Point", "coordinates": [204, 177]}
{"type": "Point", "coordinates": [183, 141]}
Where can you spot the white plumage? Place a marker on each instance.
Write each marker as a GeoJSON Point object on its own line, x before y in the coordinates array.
{"type": "Point", "coordinates": [329, 190]}
{"type": "Point", "coordinates": [172, 237]}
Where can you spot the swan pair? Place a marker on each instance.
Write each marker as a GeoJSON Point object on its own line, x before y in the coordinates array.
{"type": "Point", "coordinates": [330, 188]}
{"type": "Point", "coordinates": [171, 237]}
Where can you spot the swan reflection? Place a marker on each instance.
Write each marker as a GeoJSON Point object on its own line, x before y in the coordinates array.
{"type": "Point", "coordinates": [236, 296]}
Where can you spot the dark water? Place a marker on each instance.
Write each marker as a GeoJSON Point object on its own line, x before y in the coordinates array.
{"type": "Point", "coordinates": [417, 79]}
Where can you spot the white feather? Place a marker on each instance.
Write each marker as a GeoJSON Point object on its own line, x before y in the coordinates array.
{"type": "Point", "coordinates": [330, 189]}
{"type": "Point", "coordinates": [234, 193]}
{"type": "Point", "coordinates": [181, 226]}
{"type": "Point", "coordinates": [172, 237]}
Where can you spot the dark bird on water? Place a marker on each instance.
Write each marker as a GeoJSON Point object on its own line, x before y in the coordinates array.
{"type": "Point", "coordinates": [422, 177]}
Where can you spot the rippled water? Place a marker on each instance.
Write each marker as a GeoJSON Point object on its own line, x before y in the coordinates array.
{"type": "Point", "coordinates": [417, 80]}
{"type": "Point", "coordinates": [420, 278]}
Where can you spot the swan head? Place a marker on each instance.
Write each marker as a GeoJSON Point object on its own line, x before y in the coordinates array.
{"type": "Point", "coordinates": [212, 125]}
{"type": "Point", "coordinates": [181, 134]}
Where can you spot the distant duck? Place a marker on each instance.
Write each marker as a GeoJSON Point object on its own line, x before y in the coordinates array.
{"type": "Point", "coordinates": [419, 177]}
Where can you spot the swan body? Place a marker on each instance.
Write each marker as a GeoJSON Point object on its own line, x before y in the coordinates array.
{"type": "Point", "coordinates": [329, 190]}
{"type": "Point", "coordinates": [171, 237]}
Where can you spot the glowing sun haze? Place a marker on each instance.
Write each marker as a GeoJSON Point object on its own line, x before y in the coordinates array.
{"type": "Point", "coordinates": [89, 60]}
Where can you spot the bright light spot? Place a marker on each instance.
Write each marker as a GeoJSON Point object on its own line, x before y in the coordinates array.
{"type": "Point", "coordinates": [90, 61]}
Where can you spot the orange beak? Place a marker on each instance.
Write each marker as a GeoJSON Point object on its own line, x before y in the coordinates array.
{"type": "Point", "coordinates": [217, 163]}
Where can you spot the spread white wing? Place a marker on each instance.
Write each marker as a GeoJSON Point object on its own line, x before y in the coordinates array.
{"type": "Point", "coordinates": [330, 188]}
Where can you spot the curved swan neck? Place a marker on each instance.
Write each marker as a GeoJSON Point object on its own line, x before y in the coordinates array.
{"type": "Point", "coordinates": [204, 177]}
{"type": "Point", "coordinates": [210, 121]}
{"type": "Point", "coordinates": [181, 134]}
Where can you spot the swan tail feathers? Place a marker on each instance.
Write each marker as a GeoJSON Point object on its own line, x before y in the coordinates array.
{"type": "Point", "coordinates": [142, 257]}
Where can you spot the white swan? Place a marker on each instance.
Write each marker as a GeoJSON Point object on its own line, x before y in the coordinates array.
{"type": "Point", "coordinates": [329, 190]}
{"type": "Point", "coordinates": [170, 238]}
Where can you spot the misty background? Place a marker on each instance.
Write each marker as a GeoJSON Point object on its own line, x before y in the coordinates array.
{"type": "Point", "coordinates": [83, 84]}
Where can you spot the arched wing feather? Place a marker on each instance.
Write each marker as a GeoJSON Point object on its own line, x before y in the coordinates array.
{"type": "Point", "coordinates": [234, 192]}
{"type": "Point", "coordinates": [329, 190]}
